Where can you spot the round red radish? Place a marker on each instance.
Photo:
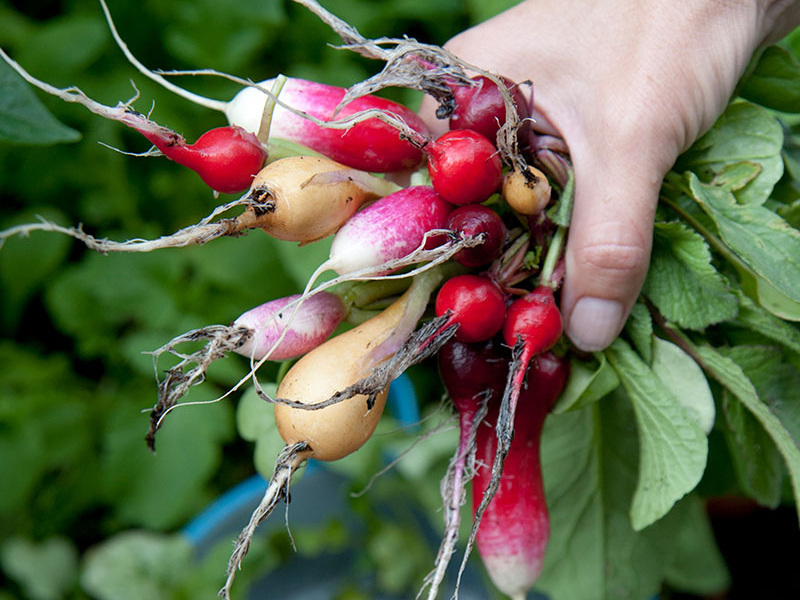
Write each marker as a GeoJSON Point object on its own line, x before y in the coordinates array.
{"type": "Point", "coordinates": [481, 106]}
{"type": "Point", "coordinates": [226, 158]}
{"type": "Point", "coordinates": [464, 166]}
{"type": "Point", "coordinates": [535, 319]}
{"type": "Point", "coordinates": [477, 305]}
{"type": "Point", "coordinates": [472, 220]}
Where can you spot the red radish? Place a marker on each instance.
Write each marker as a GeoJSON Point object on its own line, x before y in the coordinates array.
{"type": "Point", "coordinates": [481, 107]}
{"type": "Point", "coordinates": [387, 229]}
{"type": "Point", "coordinates": [464, 166]}
{"type": "Point", "coordinates": [515, 528]}
{"type": "Point", "coordinates": [475, 303]}
{"type": "Point", "coordinates": [473, 375]}
{"type": "Point", "coordinates": [280, 332]}
{"type": "Point", "coordinates": [472, 220]}
{"type": "Point", "coordinates": [533, 319]}
{"type": "Point", "coordinates": [226, 158]}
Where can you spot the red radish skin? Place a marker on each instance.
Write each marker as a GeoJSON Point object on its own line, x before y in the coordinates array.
{"type": "Point", "coordinates": [387, 229]}
{"type": "Point", "coordinates": [481, 107]}
{"type": "Point", "coordinates": [464, 167]}
{"type": "Point", "coordinates": [475, 303]}
{"type": "Point", "coordinates": [515, 528]}
{"type": "Point", "coordinates": [225, 158]}
{"type": "Point", "coordinates": [472, 220]}
{"type": "Point", "coordinates": [281, 333]}
{"type": "Point", "coordinates": [371, 145]}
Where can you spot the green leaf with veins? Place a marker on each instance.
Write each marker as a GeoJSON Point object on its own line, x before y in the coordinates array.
{"type": "Point", "coordinates": [639, 327]}
{"type": "Point", "coordinates": [682, 282]}
{"type": "Point", "coordinates": [763, 240]}
{"type": "Point", "coordinates": [775, 81]}
{"type": "Point", "coordinates": [757, 318]}
{"type": "Point", "coordinates": [587, 383]}
{"type": "Point", "coordinates": [743, 133]}
{"type": "Point", "coordinates": [673, 446]}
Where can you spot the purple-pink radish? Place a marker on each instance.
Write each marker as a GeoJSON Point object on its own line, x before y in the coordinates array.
{"type": "Point", "coordinates": [369, 145]}
{"type": "Point", "coordinates": [481, 107]}
{"type": "Point", "coordinates": [472, 220]}
{"type": "Point", "coordinates": [515, 527]}
{"type": "Point", "coordinates": [473, 375]}
{"type": "Point", "coordinates": [280, 332]}
{"type": "Point", "coordinates": [475, 303]}
{"type": "Point", "coordinates": [464, 166]}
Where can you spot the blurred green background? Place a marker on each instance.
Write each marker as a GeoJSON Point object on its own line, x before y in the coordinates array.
{"type": "Point", "coordinates": [85, 509]}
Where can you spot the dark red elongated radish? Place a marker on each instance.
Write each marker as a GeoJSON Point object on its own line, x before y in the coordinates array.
{"type": "Point", "coordinates": [472, 220]}
{"type": "Point", "coordinates": [481, 107]}
{"type": "Point", "coordinates": [464, 166]}
{"type": "Point", "coordinates": [475, 303]}
{"type": "Point", "coordinates": [370, 145]}
{"type": "Point", "coordinates": [473, 374]}
{"type": "Point", "coordinates": [515, 528]}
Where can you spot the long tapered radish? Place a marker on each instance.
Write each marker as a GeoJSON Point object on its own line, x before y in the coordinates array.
{"type": "Point", "coordinates": [313, 429]}
{"type": "Point", "coordinates": [473, 375]}
{"type": "Point", "coordinates": [515, 527]}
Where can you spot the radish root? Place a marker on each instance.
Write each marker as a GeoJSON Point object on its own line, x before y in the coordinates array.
{"type": "Point", "coordinates": [290, 458]}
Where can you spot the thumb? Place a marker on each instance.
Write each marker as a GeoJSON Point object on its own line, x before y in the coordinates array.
{"type": "Point", "coordinates": [608, 249]}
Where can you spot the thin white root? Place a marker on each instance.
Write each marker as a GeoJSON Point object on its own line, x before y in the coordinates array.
{"type": "Point", "coordinates": [179, 379]}
{"type": "Point", "coordinates": [290, 458]}
{"type": "Point", "coordinates": [217, 105]}
{"type": "Point", "coordinates": [459, 473]}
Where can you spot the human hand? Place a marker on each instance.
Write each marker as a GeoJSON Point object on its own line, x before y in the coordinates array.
{"type": "Point", "coordinates": [629, 85]}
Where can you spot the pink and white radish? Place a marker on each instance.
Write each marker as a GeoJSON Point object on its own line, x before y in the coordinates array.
{"type": "Point", "coordinates": [280, 329]}
{"type": "Point", "coordinates": [474, 375]}
{"type": "Point", "coordinates": [475, 304]}
{"type": "Point", "coordinates": [514, 529]}
{"type": "Point", "coordinates": [464, 166]}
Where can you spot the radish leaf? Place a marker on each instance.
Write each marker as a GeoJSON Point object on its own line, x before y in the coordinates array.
{"type": "Point", "coordinates": [775, 81]}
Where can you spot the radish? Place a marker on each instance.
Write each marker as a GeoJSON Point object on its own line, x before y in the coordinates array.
{"type": "Point", "coordinates": [226, 158]}
{"type": "Point", "coordinates": [271, 331]}
{"type": "Point", "coordinates": [472, 220]}
{"type": "Point", "coordinates": [514, 530]}
{"type": "Point", "coordinates": [481, 107]}
{"type": "Point", "coordinates": [464, 166]}
{"type": "Point", "coordinates": [297, 198]}
{"type": "Point", "coordinates": [369, 145]}
{"type": "Point", "coordinates": [390, 228]}
{"type": "Point", "coordinates": [475, 303]}
{"type": "Point", "coordinates": [473, 375]}
{"type": "Point", "coordinates": [527, 192]}
{"type": "Point", "coordinates": [313, 427]}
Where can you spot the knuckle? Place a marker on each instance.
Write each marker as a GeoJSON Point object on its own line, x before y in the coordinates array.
{"type": "Point", "coordinates": [616, 253]}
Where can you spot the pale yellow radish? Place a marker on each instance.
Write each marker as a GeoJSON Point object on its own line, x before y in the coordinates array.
{"type": "Point", "coordinates": [528, 193]}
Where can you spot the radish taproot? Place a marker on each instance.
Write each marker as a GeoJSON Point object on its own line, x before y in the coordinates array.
{"type": "Point", "coordinates": [475, 303]}
{"type": "Point", "coordinates": [514, 529]}
{"type": "Point", "coordinates": [473, 375]}
{"type": "Point", "coordinates": [464, 166]}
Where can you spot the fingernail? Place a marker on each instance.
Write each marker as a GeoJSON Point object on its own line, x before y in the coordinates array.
{"type": "Point", "coordinates": [594, 323]}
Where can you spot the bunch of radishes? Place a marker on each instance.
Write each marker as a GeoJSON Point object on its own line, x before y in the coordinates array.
{"type": "Point", "coordinates": [472, 235]}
